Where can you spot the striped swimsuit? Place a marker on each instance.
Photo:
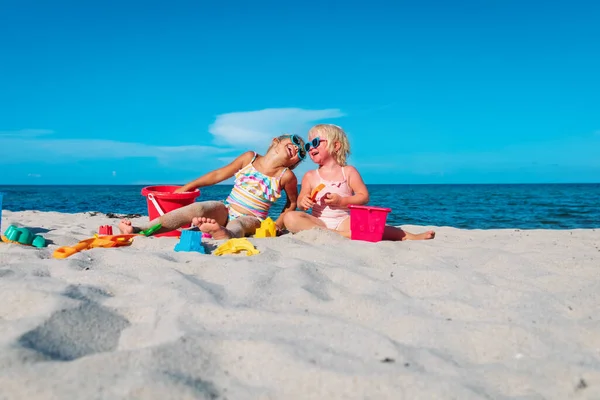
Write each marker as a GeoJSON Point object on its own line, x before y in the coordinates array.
{"type": "Point", "coordinates": [253, 191]}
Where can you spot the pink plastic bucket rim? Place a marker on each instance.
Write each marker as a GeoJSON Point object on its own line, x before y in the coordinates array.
{"type": "Point", "coordinates": [369, 208]}
{"type": "Point", "coordinates": [166, 192]}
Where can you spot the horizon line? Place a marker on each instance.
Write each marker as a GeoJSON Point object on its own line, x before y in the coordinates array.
{"type": "Point", "coordinates": [230, 184]}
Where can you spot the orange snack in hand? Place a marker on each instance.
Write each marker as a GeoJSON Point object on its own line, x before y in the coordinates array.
{"type": "Point", "coordinates": [313, 194]}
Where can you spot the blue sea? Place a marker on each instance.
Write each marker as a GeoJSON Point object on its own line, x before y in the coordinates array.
{"type": "Point", "coordinates": [519, 206]}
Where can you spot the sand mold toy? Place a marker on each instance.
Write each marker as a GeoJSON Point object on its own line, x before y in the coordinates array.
{"type": "Point", "coordinates": [104, 241]}
{"type": "Point", "coordinates": [234, 246]}
{"type": "Point", "coordinates": [190, 241]}
{"type": "Point", "coordinates": [267, 229]}
{"type": "Point", "coordinates": [23, 236]}
{"type": "Point", "coordinates": [105, 230]}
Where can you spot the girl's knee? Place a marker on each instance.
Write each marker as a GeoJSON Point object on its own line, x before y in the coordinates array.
{"type": "Point", "coordinates": [291, 216]}
{"type": "Point", "coordinates": [202, 208]}
{"type": "Point", "coordinates": [197, 208]}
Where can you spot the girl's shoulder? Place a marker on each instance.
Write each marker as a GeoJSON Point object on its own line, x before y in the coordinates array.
{"type": "Point", "coordinates": [288, 176]}
{"type": "Point", "coordinates": [351, 173]}
{"type": "Point", "coordinates": [247, 157]}
{"type": "Point", "coordinates": [310, 175]}
{"type": "Point", "coordinates": [350, 169]}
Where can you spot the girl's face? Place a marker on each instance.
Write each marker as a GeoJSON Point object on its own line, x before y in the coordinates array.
{"type": "Point", "coordinates": [318, 153]}
{"type": "Point", "coordinates": [292, 150]}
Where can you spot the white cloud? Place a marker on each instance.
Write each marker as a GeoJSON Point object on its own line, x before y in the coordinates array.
{"type": "Point", "coordinates": [26, 133]}
{"type": "Point", "coordinates": [249, 130]}
{"type": "Point", "coordinates": [225, 160]}
{"type": "Point", "coordinates": [69, 150]}
{"type": "Point", "coordinates": [257, 128]}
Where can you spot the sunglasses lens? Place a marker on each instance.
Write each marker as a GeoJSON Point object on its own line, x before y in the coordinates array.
{"type": "Point", "coordinates": [313, 143]}
{"type": "Point", "coordinates": [298, 143]}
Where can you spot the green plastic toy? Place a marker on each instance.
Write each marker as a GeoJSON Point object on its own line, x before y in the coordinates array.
{"type": "Point", "coordinates": [151, 230]}
{"type": "Point", "coordinates": [23, 236]}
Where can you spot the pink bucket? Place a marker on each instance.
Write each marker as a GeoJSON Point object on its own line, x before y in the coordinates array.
{"type": "Point", "coordinates": [367, 223]}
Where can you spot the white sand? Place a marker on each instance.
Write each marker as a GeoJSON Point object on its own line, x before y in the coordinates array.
{"type": "Point", "coordinates": [470, 315]}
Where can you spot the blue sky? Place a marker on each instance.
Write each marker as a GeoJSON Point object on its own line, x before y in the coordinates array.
{"type": "Point", "coordinates": [126, 92]}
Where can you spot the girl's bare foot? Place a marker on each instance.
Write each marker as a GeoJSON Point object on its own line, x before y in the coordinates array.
{"type": "Point", "coordinates": [420, 236]}
{"type": "Point", "coordinates": [209, 225]}
{"type": "Point", "coordinates": [125, 227]}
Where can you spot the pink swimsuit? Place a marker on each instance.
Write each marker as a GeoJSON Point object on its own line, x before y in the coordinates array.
{"type": "Point", "coordinates": [332, 216]}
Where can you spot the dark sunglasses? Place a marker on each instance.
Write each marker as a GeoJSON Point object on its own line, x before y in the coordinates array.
{"type": "Point", "coordinates": [296, 141]}
{"type": "Point", "coordinates": [314, 143]}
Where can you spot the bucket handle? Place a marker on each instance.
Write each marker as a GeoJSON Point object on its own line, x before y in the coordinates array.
{"type": "Point", "coordinates": [156, 206]}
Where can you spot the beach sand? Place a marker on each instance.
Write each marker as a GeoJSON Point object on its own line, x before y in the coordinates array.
{"type": "Point", "coordinates": [473, 314]}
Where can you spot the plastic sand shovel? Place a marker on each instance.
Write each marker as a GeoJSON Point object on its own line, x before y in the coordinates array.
{"type": "Point", "coordinates": [315, 191]}
{"type": "Point", "coordinates": [151, 230]}
{"type": "Point", "coordinates": [104, 241]}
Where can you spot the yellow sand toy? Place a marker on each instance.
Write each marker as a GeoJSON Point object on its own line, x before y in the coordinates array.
{"type": "Point", "coordinates": [267, 229]}
{"type": "Point", "coordinates": [104, 241]}
{"type": "Point", "coordinates": [234, 246]}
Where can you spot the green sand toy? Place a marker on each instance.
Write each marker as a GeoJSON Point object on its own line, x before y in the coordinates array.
{"type": "Point", "coordinates": [23, 236]}
{"type": "Point", "coordinates": [150, 231]}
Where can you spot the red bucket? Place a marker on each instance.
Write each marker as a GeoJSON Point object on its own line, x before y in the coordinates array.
{"type": "Point", "coordinates": [367, 223]}
{"type": "Point", "coordinates": [161, 200]}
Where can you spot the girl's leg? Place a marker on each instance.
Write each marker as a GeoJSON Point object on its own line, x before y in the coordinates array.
{"type": "Point", "coordinates": [243, 226]}
{"type": "Point", "coordinates": [344, 228]}
{"type": "Point", "coordinates": [182, 216]}
{"type": "Point", "coordinates": [237, 228]}
{"type": "Point", "coordinates": [397, 234]}
{"type": "Point", "coordinates": [296, 221]}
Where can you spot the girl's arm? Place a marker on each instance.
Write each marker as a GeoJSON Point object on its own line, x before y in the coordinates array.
{"type": "Point", "coordinates": [218, 175]}
{"type": "Point", "coordinates": [290, 186]}
{"type": "Point", "coordinates": [305, 190]}
{"type": "Point", "coordinates": [356, 184]}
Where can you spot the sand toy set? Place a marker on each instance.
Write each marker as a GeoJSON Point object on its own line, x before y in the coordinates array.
{"type": "Point", "coordinates": [367, 224]}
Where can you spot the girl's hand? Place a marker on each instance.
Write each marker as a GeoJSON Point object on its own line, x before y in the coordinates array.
{"type": "Point", "coordinates": [332, 199]}
{"type": "Point", "coordinates": [306, 203]}
{"type": "Point", "coordinates": [278, 230]}
{"type": "Point", "coordinates": [182, 189]}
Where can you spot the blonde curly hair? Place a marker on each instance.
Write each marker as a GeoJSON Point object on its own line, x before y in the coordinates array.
{"type": "Point", "coordinates": [334, 134]}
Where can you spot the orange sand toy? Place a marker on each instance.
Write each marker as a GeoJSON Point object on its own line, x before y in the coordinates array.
{"type": "Point", "coordinates": [104, 241]}
{"type": "Point", "coordinates": [313, 194]}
